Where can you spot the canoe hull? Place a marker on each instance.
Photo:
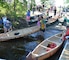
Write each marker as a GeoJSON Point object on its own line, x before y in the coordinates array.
{"type": "Point", "coordinates": [18, 33]}
{"type": "Point", "coordinates": [43, 51]}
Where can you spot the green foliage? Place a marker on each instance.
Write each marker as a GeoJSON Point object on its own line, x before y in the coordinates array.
{"type": "Point", "coordinates": [13, 10]}
{"type": "Point", "coordinates": [44, 0]}
{"type": "Point", "coordinates": [67, 1]}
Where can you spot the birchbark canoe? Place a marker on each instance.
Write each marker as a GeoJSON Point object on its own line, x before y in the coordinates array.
{"type": "Point", "coordinates": [18, 33]}
{"type": "Point", "coordinates": [43, 51]}
{"type": "Point", "coordinates": [53, 19]}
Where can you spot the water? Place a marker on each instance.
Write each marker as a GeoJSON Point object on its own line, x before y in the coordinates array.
{"type": "Point", "coordinates": [17, 49]}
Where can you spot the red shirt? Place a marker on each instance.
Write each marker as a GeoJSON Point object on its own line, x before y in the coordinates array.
{"type": "Point", "coordinates": [67, 34]}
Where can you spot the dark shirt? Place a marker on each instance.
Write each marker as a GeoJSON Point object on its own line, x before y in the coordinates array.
{"type": "Point", "coordinates": [1, 21]}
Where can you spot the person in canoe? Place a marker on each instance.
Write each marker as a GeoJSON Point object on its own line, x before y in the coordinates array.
{"type": "Point", "coordinates": [7, 25]}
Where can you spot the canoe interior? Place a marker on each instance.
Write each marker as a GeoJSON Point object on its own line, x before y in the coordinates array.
{"type": "Point", "coordinates": [41, 48]}
{"type": "Point", "coordinates": [43, 51]}
{"type": "Point", "coordinates": [55, 39]}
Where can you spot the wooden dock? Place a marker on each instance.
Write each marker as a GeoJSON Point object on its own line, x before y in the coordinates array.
{"type": "Point", "coordinates": [18, 33]}
{"type": "Point", "coordinates": [65, 53]}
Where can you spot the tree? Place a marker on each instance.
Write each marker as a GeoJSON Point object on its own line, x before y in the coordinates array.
{"type": "Point", "coordinates": [67, 1]}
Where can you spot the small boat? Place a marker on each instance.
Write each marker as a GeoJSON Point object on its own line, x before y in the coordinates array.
{"type": "Point", "coordinates": [61, 19]}
{"type": "Point", "coordinates": [65, 52]}
{"type": "Point", "coordinates": [48, 19]}
{"type": "Point", "coordinates": [46, 48]}
{"type": "Point", "coordinates": [18, 33]}
{"type": "Point", "coordinates": [60, 27]}
{"type": "Point", "coordinates": [53, 19]}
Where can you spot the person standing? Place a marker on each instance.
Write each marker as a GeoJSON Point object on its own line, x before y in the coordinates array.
{"type": "Point", "coordinates": [55, 10]}
{"type": "Point", "coordinates": [43, 6]}
{"type": "Point", "coordinates": [47, 12]}
{"type": "Point", "coordinates": [28, 17]}
{"type": "Point", "coordinates": [33, 9]}
{"type": "Point", "coordinates": [7, 25]}
{"type": "Point", "coordinates": [42, 24]}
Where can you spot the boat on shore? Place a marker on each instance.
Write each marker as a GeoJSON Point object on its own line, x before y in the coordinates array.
{"type": "Point", "coordinates": [48, 19]}
{"type": "Point", "coordinates": [46, 48]}
{"type": "Point", "coordinates": [18, 33]}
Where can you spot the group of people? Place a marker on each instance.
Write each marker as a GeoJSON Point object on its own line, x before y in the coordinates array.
{"type": "Point", "coordinates": [7, 25]}
{"type": "Point", "coordinates": [41, 22]}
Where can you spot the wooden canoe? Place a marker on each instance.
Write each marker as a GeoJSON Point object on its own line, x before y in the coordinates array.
{"type": "Point", "coordinates": [60, 26]}
{"type": "Point", "coordinates": [53, 19]}
{"type": "Point", "coordinates": [65, 52]}
{"type": "Point", "coordinates": [18, 33]}
{"type": "Point", "coordinates": [61, 19]}
{"type": "Point", "coordinates": [49, 21]}
{"type": "Point", "coordinates": [43, 51]}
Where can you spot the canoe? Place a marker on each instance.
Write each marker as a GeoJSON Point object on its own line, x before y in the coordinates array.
{"type": "Point", "coordinates": [49, 19]}
{"type": "Point", "coordinates": [46, 48]}
{"type": "Point", "coordinates": [53, 19]}
{"type": "Point", "coordinates": [60, 27]}
{"type": "Point", "coordinates": [18, 33]}
{"type": "Point", "coordinates": [61, 19]}
{"type": "Point", "coordinates": [36, 13]}
{"type": "Point", "coordinates": [65, 52]}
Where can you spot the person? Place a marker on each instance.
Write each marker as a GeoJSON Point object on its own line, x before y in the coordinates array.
{"type": "Point", "coordinates": [47, 12]}
{"type": "Point", "coordinates": [1, 24]}
{"type": "Point", "coordinates": [61, 11]}
{"type": "Point", "coordinates": [55, 11]}
{"type": "Point", "coordinates": [42, 24]}
{"type": "Point", "coordinates": [33, 9]}
{"type": "Point", "coordinates": [28, 17]}
{"type": "Point", "coordinates": [66, 34]}
{"type": "Point", "coordinates": [67, 20]}
{"type": "Point", "coordinates": [38, 23]}
{"type": "Point", "coordinates": [43, 6]}
{"type": "Point", "coordinates": [7, 25]}
{"type": "Point", "coordinates": [1, 21]}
